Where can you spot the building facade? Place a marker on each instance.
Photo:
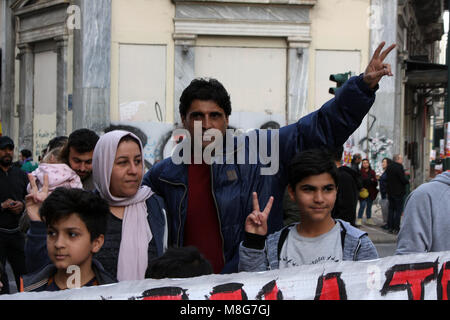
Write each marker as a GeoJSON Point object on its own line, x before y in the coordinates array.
{"type": "Point", "coordinates": [124, 63]}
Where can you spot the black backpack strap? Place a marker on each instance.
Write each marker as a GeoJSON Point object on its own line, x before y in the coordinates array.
{"type": "Point", "coordinates": [283, 236]}
{"type": "Point", "coordinates": [343, 234]}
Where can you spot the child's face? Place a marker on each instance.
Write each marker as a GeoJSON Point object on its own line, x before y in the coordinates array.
{"type": "Point", "coordinates": [69, 243]}
{"type": "Point", "coordinates": [315, 197]}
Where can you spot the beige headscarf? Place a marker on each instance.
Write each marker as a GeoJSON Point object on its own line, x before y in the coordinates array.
{"type": "Point", "coordinates": [136, 233]}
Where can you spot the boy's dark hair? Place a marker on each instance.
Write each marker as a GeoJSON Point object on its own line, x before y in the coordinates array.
{"type": "Point", "coordinates": [183, 262]}
{"type": "Point", "coordinates": [63, 202]}
{"type": "Point", "coordinates": [26, 153]}
{"type": "Point", "coordinates": [205, 89]}
{"type": "Point", "coordinates": [311, 163]}
{"type": "Point", "coordinates": [82, 140]}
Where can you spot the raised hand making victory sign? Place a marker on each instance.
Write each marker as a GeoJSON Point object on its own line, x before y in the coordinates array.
{"type": "Point", "coordinates": [377, 69]}
{"type": "Point", "coordinates": [256, 221]}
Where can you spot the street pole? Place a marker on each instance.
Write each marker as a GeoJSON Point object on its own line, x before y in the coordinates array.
{"type": "Point", "coordinates": [447, 102]}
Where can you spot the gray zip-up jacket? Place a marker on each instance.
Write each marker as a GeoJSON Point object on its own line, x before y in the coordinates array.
{"type": "Point", "coordinates": [426, 219]}
{"type": "Point", "coordinates": [356, 246]}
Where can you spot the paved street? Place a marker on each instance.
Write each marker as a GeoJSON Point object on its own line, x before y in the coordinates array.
{"type": "Point", "coordinates": [384, 241]}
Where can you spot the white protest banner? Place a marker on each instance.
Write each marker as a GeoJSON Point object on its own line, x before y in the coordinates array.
{"type": "Point", "coordinates": [415, 277]}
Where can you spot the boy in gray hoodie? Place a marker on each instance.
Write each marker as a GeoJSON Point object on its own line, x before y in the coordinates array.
{"type": "Point", "coordinates": [313, 183]}
{"type": "Point", "coordinates": [426, 218]}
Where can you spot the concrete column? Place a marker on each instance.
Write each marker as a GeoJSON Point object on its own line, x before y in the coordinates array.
{"type": "Point", "coordinates": [386, 111]}
{"type": "Point", "coordinates": [297, 80]}
{"type": "Point", "coordinates": [184, 68]}
{"type": "Point", "coordinates": [8, 46]}
{"type": "Point", "coordinates": [92, 66]}
{"type": "Point", "coordinates": [61, 98]}
{"type": "Point", "coordinates": [26, 98]}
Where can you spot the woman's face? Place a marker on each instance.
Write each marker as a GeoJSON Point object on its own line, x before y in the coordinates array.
{"type": "Point", "coordinates": [365, 164]}
{"type": "Point", "coordinates": [127, 171]}
{"type": "Point", "coordinates": [384, 164]}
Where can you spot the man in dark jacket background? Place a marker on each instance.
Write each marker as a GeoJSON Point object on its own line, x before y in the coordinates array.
{"type": "Point", "coordinates": [348, 190]}
{"type": "Point", "coordinates": [396, 190]}
{"type": "Point", "coordinates": [13, 189]}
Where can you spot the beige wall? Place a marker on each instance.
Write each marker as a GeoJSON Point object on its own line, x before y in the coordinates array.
{"type": "Point", "coordinates": [151, 23]}
{"type": "Point", "coordinates": [253, 70]}
{"type": "Point", "coordinates": [336, 27]}
{"type": "Point", "coordinates": [142, 22]}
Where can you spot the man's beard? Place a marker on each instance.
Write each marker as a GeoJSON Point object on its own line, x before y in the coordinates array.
{"type": "Point", "coordinates": [85, 175]}
{"type": "Point", "coordinates": [5, 161]}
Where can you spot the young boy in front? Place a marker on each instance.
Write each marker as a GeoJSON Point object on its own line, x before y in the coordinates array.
{"type": "Point", "coordinates": [76, 224]}
{"type": "Point", "coordinates": [318, 238]}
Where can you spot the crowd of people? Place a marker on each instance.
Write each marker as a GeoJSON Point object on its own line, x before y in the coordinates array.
{"type": "Point", "coordinates": [90, 204]}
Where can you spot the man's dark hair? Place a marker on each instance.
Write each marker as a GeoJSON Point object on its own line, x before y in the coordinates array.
{"type": "Point", "coordinates": [337, 154]}
{"type": "Point", "coordinates": [183, 262]}
{"type": "Point", "coordinates": [355, 157]}
{"type": "Point", "coordinates": [205, 89]}
{"type": "Point", "coordinates": [63, 202]}
{"type": "Point", "coordinates": [311, 163]}
{"type": "Point", "coordinates": [26, 153]}
{"type": "Point", "coordinates": [82, 140]}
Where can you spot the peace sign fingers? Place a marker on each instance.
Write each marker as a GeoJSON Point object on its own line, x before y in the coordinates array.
{"type": "Point", "coordinates": [255, 202]}
{"type": "Point", "coordinates": [376, 68]}
{"type": "Point", "coordinates": [386, 52]}
{"type": "Point", "coordinates": [256, 221]}
{"type": "Point", "coordinates": [268, 206]}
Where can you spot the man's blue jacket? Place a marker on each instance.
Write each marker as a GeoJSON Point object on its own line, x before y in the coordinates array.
{"type": "Point", "coordinates": [233, 184]}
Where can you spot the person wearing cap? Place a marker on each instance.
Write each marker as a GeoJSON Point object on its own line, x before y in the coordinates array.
{"type": "Point", "coordinates": [13, 189]}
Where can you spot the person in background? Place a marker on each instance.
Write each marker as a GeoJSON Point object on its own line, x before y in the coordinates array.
{"type": "Point", "coordinates": [426, 219]}
{"type": "Point", "coordinates": [347, 196]}
{"type": "Point", "coordinates": [384, 202]}
{"type": "Point", "coordinates": [77, 153]}
{"type": "Point", "coordinates": [369, 182]}
{"type": "Point", "coordinates": [13, 189]}
{"type": "Point", "coordinates": [356, 160]}
{"type": "Point", "coordinates": [26, 158]}
{"type": "Point", "coordinates": [396, 182]}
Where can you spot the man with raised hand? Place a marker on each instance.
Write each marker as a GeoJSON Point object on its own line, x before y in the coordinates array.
{"type": "Point", "coordinates": [208, 203]}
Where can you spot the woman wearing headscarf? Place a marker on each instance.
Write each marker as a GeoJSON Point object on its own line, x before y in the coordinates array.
{"type": "Point", "coordinates": [137, 229]}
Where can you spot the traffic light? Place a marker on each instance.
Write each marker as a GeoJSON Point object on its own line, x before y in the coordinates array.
{"type": "Point", "coordinates": [340, 79]}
